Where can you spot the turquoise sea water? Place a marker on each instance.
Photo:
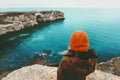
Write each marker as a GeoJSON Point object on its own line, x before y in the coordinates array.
{"type": "Point", "coordinates": [101, 25]}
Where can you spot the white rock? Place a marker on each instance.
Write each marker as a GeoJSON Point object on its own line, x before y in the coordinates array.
{"type": "Point", "coordinates": [39, 72]}
{"type": "Point", "coordinates": [100, 75]}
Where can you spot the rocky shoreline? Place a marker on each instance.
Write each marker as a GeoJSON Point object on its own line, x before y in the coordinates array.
{"type": "Point", "coordinates": [15, 21]}
{"type": "Point", "coordinates": [40, 72]}
{"type": "Point", "coordinates": [40, 69]}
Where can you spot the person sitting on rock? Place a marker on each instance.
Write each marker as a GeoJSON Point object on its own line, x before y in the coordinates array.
{"type": "Point", "coordinates": [79, 61]}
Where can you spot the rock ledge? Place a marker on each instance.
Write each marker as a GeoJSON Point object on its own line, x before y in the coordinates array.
{"type": "Point", "coordinates": [39, 72]}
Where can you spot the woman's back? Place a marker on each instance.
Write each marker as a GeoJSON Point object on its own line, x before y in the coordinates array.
{"type": "Point", "coordinates": [75, 68]}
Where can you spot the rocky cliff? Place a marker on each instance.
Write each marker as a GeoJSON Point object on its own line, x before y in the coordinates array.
{"type": "Point", "coordinates": [111, 66]}
{"type": "Point", "coordinates": [40, 72]}
{"type": "Point", "coordinates": [14, 21]}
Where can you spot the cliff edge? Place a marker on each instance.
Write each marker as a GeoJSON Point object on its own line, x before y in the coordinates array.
{"type": "Point", "coordinates": [15, 21]}
{"type": "Point", "coordinates": [40, 72]}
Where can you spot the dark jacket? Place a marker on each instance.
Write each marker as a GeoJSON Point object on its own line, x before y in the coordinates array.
{"type": "Point", "coordinates": [77, 67]}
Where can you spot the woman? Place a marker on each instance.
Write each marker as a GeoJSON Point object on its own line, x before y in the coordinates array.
{"type": "Point", "coordinates": [79, 60]}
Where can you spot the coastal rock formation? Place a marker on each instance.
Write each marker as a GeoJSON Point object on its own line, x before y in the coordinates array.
{"type": "Point", "coordinates": [37, 69]}
{"type": "Point", "coordinates": [39, 72]}
{"type": "Point", "coordinates": [100, 75]}
{"type": "Point", "coordinates": [46, 57]}
{"type": "Point", "coordinates": [14, 21]}
{"type": "Point", "coordinates": [112, 66]}
{"type": "Point", "coordinates": [40, 58]}
{"type": "Point", "coordinates": [34, 72]}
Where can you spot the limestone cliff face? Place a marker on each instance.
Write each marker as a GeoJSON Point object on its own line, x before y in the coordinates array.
{"type": "Point", "coordinates": [39, 72]}
{"type": "Point", "coordinates": [14, 21]}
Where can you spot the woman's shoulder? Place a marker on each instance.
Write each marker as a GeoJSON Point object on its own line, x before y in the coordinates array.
{"type": "Point", "coordinates": [65, 58]}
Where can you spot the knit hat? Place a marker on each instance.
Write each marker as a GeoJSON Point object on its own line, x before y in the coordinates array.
{"type": "Point", "coordinates": [79, 41]}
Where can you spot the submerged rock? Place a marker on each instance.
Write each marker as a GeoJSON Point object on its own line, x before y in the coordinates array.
{"type": "Point", "coordinates": [14, 21]}
{"type": "Point", "coordinates": [46, 57]}
{"type": "Point", "coordinates": [39, 72]}
{"type": "Point", "coordinates": [40, 58]}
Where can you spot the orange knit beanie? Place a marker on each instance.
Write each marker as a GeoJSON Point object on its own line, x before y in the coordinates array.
{"type": "Point", "coordinates": [79, 41]}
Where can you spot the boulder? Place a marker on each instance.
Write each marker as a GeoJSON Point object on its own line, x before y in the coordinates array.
{"type": "Point", "coordinates": [111, 66]}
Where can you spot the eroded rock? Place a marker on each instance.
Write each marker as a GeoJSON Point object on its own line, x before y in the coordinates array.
{"type": "Point", "coordinates": [15, 21]}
